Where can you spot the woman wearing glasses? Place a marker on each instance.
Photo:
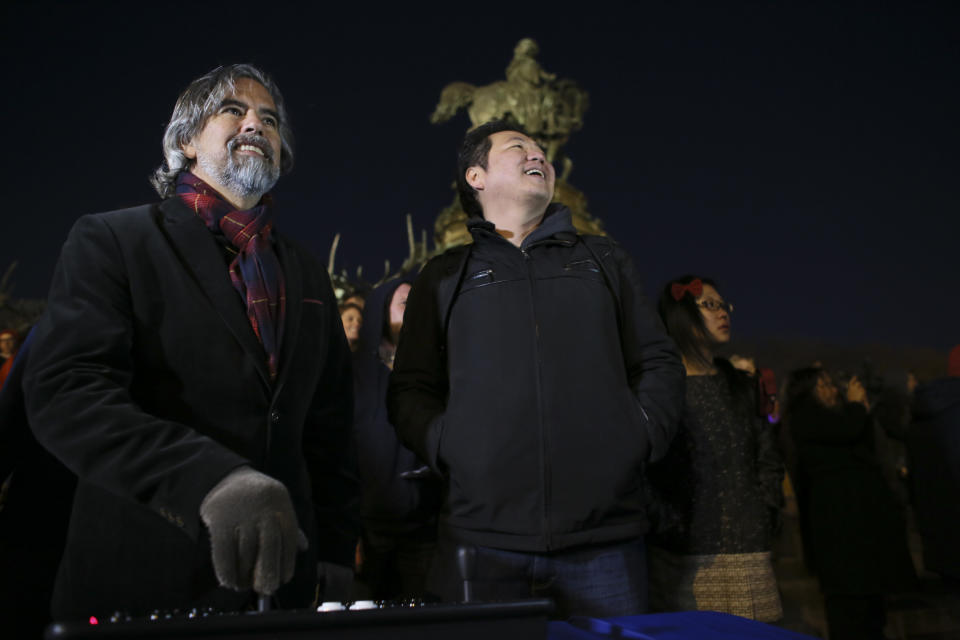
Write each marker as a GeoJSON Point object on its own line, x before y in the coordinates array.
{"type": "Point", "coordinates": [715, 497]}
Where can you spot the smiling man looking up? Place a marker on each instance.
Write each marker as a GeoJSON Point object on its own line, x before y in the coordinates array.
{"type": "Point", "coordinates": [191, 369]}
{"type": "Point", "coordinates": [535, 379]}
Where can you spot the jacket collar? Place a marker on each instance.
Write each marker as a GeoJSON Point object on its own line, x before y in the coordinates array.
{"type": "Point", "coordinates": [557, 224]}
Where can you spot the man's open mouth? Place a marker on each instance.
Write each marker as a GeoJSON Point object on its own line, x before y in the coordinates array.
{"type": "Point", "coordinates": [252, 144]}
{"type": "Point", "coordinates": [535, 172]}
{"type": "Point", "coordinates": [250, 147]}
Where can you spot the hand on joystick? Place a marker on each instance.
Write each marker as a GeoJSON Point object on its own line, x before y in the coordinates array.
{"type": "Point", "coordinates": [254, 536]}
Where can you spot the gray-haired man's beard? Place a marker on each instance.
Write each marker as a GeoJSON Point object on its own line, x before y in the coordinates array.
{"type": "Point", "coordinates": [244, 175]}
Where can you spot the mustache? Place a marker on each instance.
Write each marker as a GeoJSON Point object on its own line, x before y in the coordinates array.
{"type": "Point", "coordinates": [252, 139]}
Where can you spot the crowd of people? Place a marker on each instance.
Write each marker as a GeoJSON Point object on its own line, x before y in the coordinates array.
{"type": "Point", "coordinates": [715, 499]}
{"type": "Point", "coordinates": [515, 420]}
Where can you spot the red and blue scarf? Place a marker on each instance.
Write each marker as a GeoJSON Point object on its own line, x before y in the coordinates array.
{"type": "Point", "coordinates": [255, 271]}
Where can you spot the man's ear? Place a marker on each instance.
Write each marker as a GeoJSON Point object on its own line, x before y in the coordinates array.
{"type": "Point", "coordinates": [475, 177]}
{"type": "Point", "coordinates": [189, 150]}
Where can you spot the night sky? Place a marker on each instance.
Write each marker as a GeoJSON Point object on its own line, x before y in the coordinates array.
{"type": "Point", "coordinates": [805, 156]}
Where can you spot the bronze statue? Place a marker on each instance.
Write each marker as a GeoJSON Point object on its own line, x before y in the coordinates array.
{"type": "Point", "coordinates": [547, 108]}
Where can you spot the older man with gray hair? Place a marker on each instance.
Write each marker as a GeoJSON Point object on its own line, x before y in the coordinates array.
{"type": "Point", "coordinates": [192, 371]}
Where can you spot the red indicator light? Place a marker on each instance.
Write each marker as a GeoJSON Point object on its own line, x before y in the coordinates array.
{"type": "Point", "coordinates": [93, 620]}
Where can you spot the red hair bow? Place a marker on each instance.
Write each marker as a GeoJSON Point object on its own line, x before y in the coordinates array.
{"type": "Point", "coordinates": [695, 287]}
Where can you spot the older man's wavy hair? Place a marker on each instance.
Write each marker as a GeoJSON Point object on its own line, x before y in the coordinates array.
{"type": "Point", "coordinates": [196, 104]}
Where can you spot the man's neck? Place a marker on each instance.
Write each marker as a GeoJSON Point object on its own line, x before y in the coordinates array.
{"type": "Point", "coordinates": [516, 223]}
{"type": "Point", "coordinates": [242, 204]}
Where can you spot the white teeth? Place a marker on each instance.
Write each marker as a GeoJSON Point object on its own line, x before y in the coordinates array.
{"type": "Point", "coordinates": [250, 147]}
{"type": "Point", "coordinates": [531, 172]}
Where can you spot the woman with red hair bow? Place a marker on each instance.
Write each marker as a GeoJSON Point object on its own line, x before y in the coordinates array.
{"type": "Point", "coordinates": [715, 497]}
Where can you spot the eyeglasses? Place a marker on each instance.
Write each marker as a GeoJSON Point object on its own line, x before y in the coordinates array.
{"type": "Point", "coordinates": [715, 305]}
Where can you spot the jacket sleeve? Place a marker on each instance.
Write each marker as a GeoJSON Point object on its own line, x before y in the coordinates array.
{"type": "Point", "coordinates": [654, 368]}
{"type": "Point", "coordinates": [77, 390]}
{"type": "Point", "coordinates": [330, 449]}
{"type": "Point", "coordinates": [417, 393]}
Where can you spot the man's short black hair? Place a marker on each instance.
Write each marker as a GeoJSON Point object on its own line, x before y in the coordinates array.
{"type": "Point", "coordinates": [473, 152]}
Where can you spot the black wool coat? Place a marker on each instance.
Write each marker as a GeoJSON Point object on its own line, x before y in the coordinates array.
{"type": "Point", "coordinates": [147, 381]}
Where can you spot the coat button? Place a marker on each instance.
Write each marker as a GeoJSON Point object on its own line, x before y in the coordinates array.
{"type": "Point", "coordinates": [274, 416]}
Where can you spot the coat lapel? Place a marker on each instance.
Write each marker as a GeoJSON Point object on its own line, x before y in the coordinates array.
{"type": "Point", "coordinates": [200, 253]}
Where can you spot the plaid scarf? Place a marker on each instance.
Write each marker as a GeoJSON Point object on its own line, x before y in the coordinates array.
{"type": "Point", "coordinates": [255, 271]}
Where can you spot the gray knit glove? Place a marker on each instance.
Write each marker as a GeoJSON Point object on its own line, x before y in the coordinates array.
{"type": "Point", "coordinates": [254, 535]}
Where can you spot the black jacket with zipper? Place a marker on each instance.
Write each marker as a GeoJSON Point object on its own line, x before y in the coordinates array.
{"type": "Point", "coordinates": [537, 381]}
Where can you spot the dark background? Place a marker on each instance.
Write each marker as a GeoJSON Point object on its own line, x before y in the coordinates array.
{"type": "Point", "coordinates": [803, 154]}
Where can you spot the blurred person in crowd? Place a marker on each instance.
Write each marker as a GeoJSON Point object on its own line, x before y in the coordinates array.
{"type": "Point", "coordinates": [8, 345]}
{"type": "Point", "coordinates": [357, 298]}
{"type": "Point", "coordinates": [192, 371]}
{"type": "Point", "coordinates": [717, 493]}
{"type": "Point", "coordinates": [891, 410]}
{"type": "Point", "coordinates": [892, 406]}
{"type": "Point", "coordinates": [8, 351]}
{"type": "Point", "coordinates": [400, 495]}
{"type": "Point", "coordinates": [351, 315]}
{"type": "Point", "coordinates": [933, 448]}
{"type": "Point", "coordinates": [853, 533]}
{"type": "Point", "coordinates": [34, 513]}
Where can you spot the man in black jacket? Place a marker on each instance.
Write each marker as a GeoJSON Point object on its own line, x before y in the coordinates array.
{"type": "Point", "coordinates": [533, 376]}
{"type": "Point", "coordinates": [192, 371]}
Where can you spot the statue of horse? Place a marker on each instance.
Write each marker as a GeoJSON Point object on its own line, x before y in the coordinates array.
{"type": "Point", "coordinates": [497, 101]}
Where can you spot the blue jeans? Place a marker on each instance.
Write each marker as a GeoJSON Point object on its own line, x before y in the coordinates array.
{"type": "Point", "coordinates": [597, 580]}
